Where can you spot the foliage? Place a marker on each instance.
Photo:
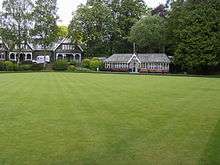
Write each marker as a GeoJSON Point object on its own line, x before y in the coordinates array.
{"type": "Point", "coordinates": [193, 32]}
{"type": "Point", "coordinates": [86, 63]}
{"type": "Point", "coordinates": [125, 13]}
{"type": "Point", "coordinates": [96, 64]}
{"type": "Point", "coordinates": [74, 63]}
{"type": "Point", "coordinates": [60, 65]}
{"type": "Point", "coordinates": [71, 68]}
{"type": "Point", "coordinates": [37, 67]}
{"type": "Point", "coordinates": [93, 64]}
{"type": "Point", "coordinates": [104, 26]}
{"type": "Point", "coordinates": [45, 28]}
{"type": "Point", "coordinates": [92, 25]}
{"type": "Point", "coordinates": [62, 32]}
{"type": "Point", "coordinates": [26, 67]}
{"type": "Point", "coordinates": [15, 22]}
{"type": "Point", "coordinates": [160, 10]}
{"type": "Point", "coordinates": [148, 34]}
{"type": "Point", "coordinates": [9, 66]}
{"type": "Point", "coordinates": [2, 66]}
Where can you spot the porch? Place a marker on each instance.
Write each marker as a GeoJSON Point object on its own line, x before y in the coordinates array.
{"type": "Point", "coordinates": [22, 57]}
{"type": "Point", "coordinates": [69, 57]}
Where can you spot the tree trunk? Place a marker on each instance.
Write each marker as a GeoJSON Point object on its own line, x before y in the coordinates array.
{"type": "Point", "coordinates": [44, 57]}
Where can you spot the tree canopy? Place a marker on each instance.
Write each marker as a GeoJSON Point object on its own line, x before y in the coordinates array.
{"type": "Point", "coordinates": [193, 34]}
{"type": "Point", "coordinates": [92, 25]}
{"type": "Point", "coordinates": [45, 22]}
{"type": "Point", "coordinates": [16, 21]}
{"type": "Point", "coordinates": [104, 26]}
{"type": "Point", "coordinates": [188, 30]}
{"type": "Point", "coordinates": [148, 34]}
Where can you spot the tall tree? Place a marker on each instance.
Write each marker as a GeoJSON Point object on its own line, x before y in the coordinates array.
{"type": "Point", "coordinates": [193, 32]}
{"type": "Point", "coordinates": [62, 31]}
{"type": "Point", "coordinates": [45, 26]}
{"type": "Point", "coordinates": [160, 10]}
{"type": "Point", "coordinates": [92, 25]}
{"type": "Point", "coordinates": [126, 13]}
{"type": "Point", "coordinates": [104, 25]}
{"type": "Point", "coordinates": [16, 22]}
{"type": "Point", "coordinates": [148, 34]}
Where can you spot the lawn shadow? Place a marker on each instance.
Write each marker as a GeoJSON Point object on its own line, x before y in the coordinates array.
{"type": "Point", "coordinates": [212, 152]}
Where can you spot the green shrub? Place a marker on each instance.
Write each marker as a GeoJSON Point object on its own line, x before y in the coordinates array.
{"type": "Point", "coordinates": [37, 67]}
{"type": "Point", "coordinates": [27, 62]}
{"type": "Point", "coordinates": [95, 59]}
{"type": "Point", "coordinates": [75, 63]}
{"type": "Point", "coordinates": [94, 64]}
{"type": "Point", "coordinates": [17, 67]}
{"type": "Point", "coordinates": [71, 68]}
{"type": "Point", "coordinates": [25, 67]}
{"type": "Point", "coordinates": [9, 66]}
{"type": "Point", "coordinates": [2, 66]}
{"type": "Point", "coordinates": [60, 65]}
{"type": "Point", "coordinates": [86, 63]}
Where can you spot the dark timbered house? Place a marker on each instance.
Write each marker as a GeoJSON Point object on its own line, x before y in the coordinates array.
{"type": "Point", "coordinates": [63, 49]}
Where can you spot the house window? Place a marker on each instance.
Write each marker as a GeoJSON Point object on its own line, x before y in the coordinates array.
{"type": "Point", "coordinates": [12, 56]}
{"type": "Point", "coordinates": [66, 47]}
{"type": "Point", "coordinates": [63, 47]}
{"type": "Point", "coordinates": [28, 56]}
{"type": "Point", "coordinates": [77, 57]}
{"type": "Point", "coordinates": [2, 56]}
{"type": "Point", "coordinates": [60, 57]}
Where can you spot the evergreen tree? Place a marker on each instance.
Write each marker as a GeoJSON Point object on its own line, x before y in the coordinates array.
{"type": "Point", "coordinates": [193, 32]}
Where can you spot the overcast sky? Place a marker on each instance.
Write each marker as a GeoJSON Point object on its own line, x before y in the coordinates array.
{"type": "Point", "coordinates": [66, 7]}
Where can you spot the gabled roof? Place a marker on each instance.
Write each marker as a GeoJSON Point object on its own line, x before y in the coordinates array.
{"type": "Point", "coordinates": [119, 58]}
{"type": "Point", "coordinates": [134, 56]}
{"type": "Point", "coordinates": [154, 57]}
{"type": "Point", "coordinates": [151, 57]}
{"type": "Point", "coordinates": [65, 41]}
{"type": "Point", "coordinates": [52, 47]}
{"type": "Point", "coordinates": [3, 43]}
{"type": "Point", "coordinates": [40, 47]}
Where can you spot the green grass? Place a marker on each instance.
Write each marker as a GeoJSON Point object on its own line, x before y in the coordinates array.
{"type": "Point", "coordinates": [70, 118]}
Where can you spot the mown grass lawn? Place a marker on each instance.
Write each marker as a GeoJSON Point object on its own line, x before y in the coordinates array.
{"type": "Point", "coordinates": [70, 118]}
